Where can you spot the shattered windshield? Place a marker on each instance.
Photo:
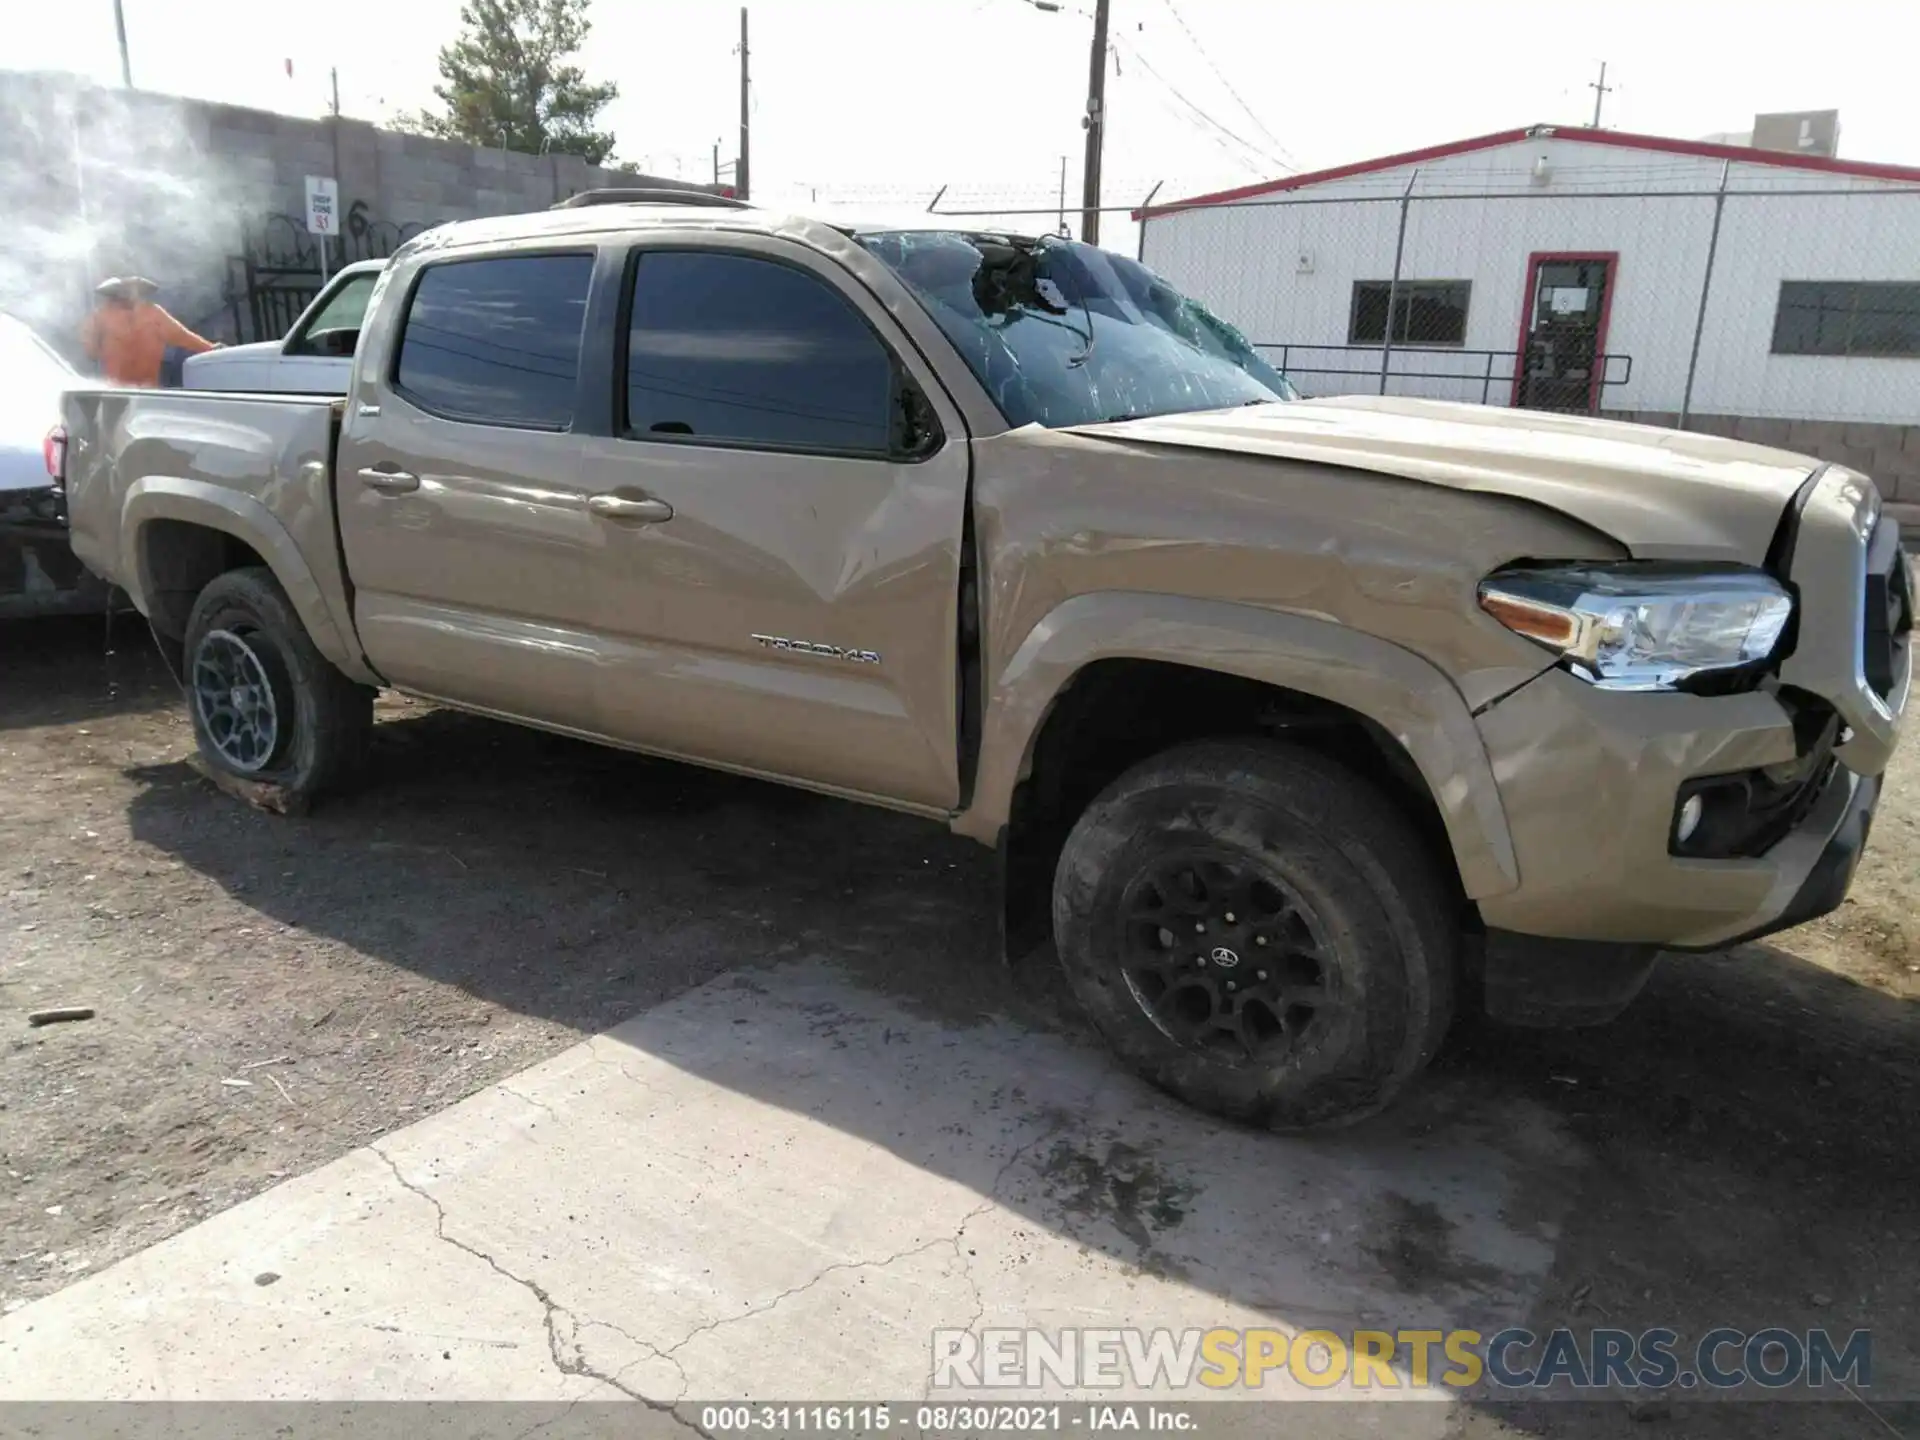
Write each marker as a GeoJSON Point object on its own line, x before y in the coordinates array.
{"type": "Point", "coordinates": [1062, 333]}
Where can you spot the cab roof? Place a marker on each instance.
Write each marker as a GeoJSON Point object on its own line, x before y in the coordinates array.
{"type": "Point", "coordinates": [601, 219]}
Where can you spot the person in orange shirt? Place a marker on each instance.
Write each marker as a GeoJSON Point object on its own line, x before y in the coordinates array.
{"type": "Point", "coordinates": [128, 335]}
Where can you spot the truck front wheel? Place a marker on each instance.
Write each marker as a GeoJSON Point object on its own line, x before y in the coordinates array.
{"type": "Point", "coordinates": [267, 706]}
{"type": "Point", "coordinates": [1257, 930]}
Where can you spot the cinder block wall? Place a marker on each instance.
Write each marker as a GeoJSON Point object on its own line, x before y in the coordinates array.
{"type": "Point", "coordinates": [1889, 453]}
{"type": "Point", "coordinates": [97, 181]}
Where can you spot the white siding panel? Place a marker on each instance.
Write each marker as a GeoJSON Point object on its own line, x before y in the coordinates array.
{"type": "Point", "coordinates": [1245, 259]}
{"type": "Point", "coordinates": [1765, 240]}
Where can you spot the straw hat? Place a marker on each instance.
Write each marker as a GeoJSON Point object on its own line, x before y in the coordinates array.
{"type": "Point", "coordinates": [127, 285]}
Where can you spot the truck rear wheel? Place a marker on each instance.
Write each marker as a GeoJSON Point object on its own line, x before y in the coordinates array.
{"type": "Point", "coordinates": [267, 707]}
{"type": "Point", "coordinates": [1255, 929]}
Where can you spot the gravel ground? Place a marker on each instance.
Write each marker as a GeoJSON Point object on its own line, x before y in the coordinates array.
{"type": "Point", "coordinates": [271, 993]}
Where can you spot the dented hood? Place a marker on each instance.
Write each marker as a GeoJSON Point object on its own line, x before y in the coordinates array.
{"type": "Point", "coordinates": [1664, 494]}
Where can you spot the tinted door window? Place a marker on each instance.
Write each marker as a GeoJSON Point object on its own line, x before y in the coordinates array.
{"type": "Point", "coordinates": [498, 341]}
{"type": "Point", "coordinates": [732, 349]}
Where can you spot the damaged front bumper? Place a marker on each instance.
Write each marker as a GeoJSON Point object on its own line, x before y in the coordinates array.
{"type": "Point", "coordinates": [1593, 781]}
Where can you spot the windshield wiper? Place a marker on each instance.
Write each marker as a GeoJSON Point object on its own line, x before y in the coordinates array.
{"type": "Point", "coordinates": [1080, 294]}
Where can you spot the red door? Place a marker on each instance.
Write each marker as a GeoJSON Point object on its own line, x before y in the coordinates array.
{"type": "Point", "coordinates": [1562, 355]}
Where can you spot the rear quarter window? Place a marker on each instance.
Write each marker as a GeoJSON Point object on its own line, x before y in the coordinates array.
{"type": "Point", "coordinates": [496, 341]}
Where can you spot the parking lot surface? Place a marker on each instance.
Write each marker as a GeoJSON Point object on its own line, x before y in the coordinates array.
{"type": "Point", "coordinates": [781, 1089]}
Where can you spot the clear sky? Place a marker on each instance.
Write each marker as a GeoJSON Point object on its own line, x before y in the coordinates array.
{"type": "Point", "coordinates": [884, 101]}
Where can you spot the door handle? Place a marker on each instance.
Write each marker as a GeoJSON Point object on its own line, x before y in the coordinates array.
{"type": "Point", "coordinates": [623, 507]}
{"type": "Point", "coordinates": [392, 482]}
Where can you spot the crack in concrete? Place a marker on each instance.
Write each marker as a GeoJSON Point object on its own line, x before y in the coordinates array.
{"type": "Point", "coordinates": [966, 1274]}
{"type": "Point", "coordinates": [672, 1351]}
{"type": "Point", "coordinates": [1054, 1126]}
{"type": "Point", "coordinates": [552, 1310]}
{"type": "Point", "coordinates": [527, 1099]}
{"type": "Point", "coordinates": [613, 1062]}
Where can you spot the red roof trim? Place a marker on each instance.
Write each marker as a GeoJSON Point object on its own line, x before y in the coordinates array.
{"type": "Point", "coordinates": [1744, 154]}
{"type": "Point", "coordinates": [1339, 172]}
{"type": "Point", "coordinates": [1704, 149]}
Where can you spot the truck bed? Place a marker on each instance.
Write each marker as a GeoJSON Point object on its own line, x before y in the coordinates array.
{"type": "Point", "coordinates": [239, 470]}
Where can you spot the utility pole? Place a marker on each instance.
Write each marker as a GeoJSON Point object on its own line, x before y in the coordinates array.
{"type": "Point", "coordinates": [1600, 90]}
{"type": "Point", "coordinates": [740, 169]}
{"type": "Point", "coordinates": [1706, 289]}
{"type": "Point", "coordinates": [1096, 123]}
{"type": "Point", "coordinates": [120, 29]}
{"type": "Point", "coordinates": [333, 75]}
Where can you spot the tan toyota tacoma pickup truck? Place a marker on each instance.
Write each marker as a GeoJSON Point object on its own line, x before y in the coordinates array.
{"type": "Point", "coordinates": [1295, 722]}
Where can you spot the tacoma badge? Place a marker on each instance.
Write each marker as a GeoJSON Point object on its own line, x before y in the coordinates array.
{"type": "Point", "coordinates": [810, 647]}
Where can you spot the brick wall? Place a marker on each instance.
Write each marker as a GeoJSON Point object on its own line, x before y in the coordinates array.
{"type": "Point", "coordinates": [1889, 453]}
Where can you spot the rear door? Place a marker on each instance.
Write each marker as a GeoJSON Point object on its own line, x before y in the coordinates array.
{"type": "Point", "coordinates": [461, 498]}
{"type": "Point", "coordinates": [781, 502]}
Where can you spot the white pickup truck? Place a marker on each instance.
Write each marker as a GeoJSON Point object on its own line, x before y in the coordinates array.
{"type": "Point", "coordinates": [314, 358]}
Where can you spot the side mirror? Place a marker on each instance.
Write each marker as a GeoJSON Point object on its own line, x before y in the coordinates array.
{"type": "Point", "coordinates": [917, 432]}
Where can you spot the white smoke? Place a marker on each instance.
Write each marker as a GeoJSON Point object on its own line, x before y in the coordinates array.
{"type": "Point", "coordinates": [97, 182]}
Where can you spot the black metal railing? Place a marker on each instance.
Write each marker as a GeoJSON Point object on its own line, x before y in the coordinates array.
{"type": "Point", "coordinates": [1483, 376]}
{"type": "Point", "coordinates": [280, 269]}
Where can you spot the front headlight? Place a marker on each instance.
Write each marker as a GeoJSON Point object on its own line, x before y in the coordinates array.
{"type": "Point", "coordinates": [1647, 626]}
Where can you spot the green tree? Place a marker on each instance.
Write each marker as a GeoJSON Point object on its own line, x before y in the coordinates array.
{"type": "Point", "coordinates": [510, 80]}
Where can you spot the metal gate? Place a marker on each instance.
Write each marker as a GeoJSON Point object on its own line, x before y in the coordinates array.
{"type": "Point", "coordinates": [278, 272]}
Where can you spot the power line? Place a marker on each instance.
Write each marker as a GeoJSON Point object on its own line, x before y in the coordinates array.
{"type": "Point", "coordinates": [1221, 75]}
{"type": "Point", "coordinates": [1266, 157]}
{"type": "Point", "coordinates": [1239, 157]}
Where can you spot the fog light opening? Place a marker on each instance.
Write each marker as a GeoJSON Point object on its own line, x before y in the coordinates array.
{"type": "Point", "coordinates": [1691, 809]}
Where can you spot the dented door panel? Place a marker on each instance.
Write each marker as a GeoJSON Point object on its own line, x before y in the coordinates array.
{"type": "Point", "coordinates": [772, 606]}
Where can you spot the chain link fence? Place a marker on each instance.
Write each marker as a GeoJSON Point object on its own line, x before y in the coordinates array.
{"type": "Point", "coordinates": [1764, 304]}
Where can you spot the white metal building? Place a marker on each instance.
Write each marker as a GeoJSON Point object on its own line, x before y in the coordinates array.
{"type": "Point", "coordinates": [1564, 268]}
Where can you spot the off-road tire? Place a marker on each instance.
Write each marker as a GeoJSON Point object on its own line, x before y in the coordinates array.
{"type": "Point", "coordinates": [324, 720]}
{"type": "Point", "coordinates": [1303, 827]}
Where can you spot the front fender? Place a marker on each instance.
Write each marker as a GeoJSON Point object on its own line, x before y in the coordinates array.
{"type": "Point", "coordinates": [1391, 686]}
{"type": "Point", "coordinates": [247, 519]}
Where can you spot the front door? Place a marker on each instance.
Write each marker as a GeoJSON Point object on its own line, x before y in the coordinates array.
{"type": "Point", "coordinates": [780, 558]}
{"type": "Point", "coordinates": [1563, 333]}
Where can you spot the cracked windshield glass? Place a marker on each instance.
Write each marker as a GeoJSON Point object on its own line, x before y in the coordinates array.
{"type": "Point", "coordinates": [1062, 333]}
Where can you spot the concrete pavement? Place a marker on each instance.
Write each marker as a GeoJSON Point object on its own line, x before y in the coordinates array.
{"type": "Point", "coordinates": [778, 1186]}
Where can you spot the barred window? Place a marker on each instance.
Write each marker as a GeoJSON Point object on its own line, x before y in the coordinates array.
{"type": "Point", "coordinates": [1425, 312]}
{"type": "Point", "coordinates": [1847, 317]}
